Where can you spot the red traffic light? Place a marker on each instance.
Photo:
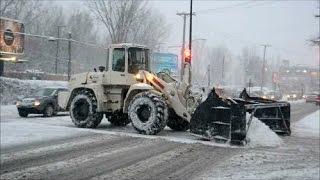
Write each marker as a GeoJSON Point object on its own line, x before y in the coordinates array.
{"type": "Point", "coordinates": [187, 56]}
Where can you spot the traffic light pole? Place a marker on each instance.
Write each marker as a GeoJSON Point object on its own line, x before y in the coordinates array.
{"type": "Point", "coordinates": [190, 41]}
{"type": "Point", "coordinates": [184, 16]}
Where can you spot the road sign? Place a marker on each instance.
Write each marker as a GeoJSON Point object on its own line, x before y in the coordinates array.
{"type": "Point", "coordinates": [11, 37]}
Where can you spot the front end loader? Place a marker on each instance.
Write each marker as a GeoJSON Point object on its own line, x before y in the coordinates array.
{"type": "Point", "coordinates": [127, 92]}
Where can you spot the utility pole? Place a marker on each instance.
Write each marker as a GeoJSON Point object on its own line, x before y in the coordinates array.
{"type": "Point", "coordinates": [190, 41]}
{"type": "Point", "coordinates": [69, 53]}
{"type": "Point", "coordinates": [57, 50]}
{"type": "Point", "coordinates": [263, 65]}
{"type": "Point", "coordinates": [222, 73]}
{"type": "Point", "coordinates": [184, 16]}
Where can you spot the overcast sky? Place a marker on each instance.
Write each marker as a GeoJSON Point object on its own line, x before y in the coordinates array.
{"type": "Point", "coordinates": [285, 25]}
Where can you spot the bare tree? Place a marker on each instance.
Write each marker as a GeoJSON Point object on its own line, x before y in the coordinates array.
{"type": "Point", "coordinates": [129, 20]}
{"type": "Point", "coordinates": [25, 10]}
{"type": "Point", "coordinates": [4, 5]}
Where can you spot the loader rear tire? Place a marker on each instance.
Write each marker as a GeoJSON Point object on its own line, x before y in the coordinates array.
{"type": "Point", "coordinates": [148, 113]}
{"type": "Point", "coordinates": [176, 123]}
{"type": "Point", "coordinates": [119, 119]}
{"type": "Point", "coordinates": [83, 110]}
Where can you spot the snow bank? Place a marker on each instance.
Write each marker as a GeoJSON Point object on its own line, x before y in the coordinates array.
{"type": "Point", "coordinates": [260, 134]}
{"type": "Point", "coordinates": [264, 164]}
{"type": "Point", "coordinates": [308, 126]}
{"type": "Point", "coordinates": [12, 88]}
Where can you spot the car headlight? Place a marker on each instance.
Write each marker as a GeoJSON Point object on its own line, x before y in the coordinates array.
{"type": "Point", "coordinates": [18, 103]}
{"type": "Point", "coordinates": [294, 95]}
{"type": "Point", "coordinates": [36, 103]}
{"type": "Point", "coordinates": [288, 96]}
{"type": "Point", "coordinates": [272, 97]}
{"type": "Point", "coordinates": [264, 97]}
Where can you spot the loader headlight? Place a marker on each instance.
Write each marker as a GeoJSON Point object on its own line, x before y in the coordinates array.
{"type": "Point", "coordinates": [138, 77]}
{"type": "Point", "coordinates": [36, 103]}
{"type": "Point", "coordinates": [294, 95]}
{"type": "Point", "coordinates": [18, 103]}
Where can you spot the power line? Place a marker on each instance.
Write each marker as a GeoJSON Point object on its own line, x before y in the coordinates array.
{"type": "Point", "coordinates": [51, 38]}
{"type": "Point", "coordinates": [248, 4]}
{"type": "Point", "coordinates": [226, 7]}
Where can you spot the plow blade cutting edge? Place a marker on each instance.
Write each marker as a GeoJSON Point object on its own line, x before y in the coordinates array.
{"type": "Point", "coordinates": [222, 120]}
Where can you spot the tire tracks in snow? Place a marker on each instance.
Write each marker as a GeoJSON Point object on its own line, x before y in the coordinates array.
{"type": "Point", "coordinates": [82, 161]}
{"type": "Point", "coordinates": [48, 154]}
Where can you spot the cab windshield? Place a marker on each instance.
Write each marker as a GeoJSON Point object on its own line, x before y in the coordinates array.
{"type": "Point", "coordinates": [45, 92]}
{"type": "Point", "coordinates": [137, 60]}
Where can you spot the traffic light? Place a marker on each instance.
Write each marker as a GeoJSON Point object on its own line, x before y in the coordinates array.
{"type": "Point", "coordinates": [187, 56]}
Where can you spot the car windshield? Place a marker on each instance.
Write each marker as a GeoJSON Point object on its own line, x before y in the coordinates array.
{"type": "Point", "coordinates": [45, 92]}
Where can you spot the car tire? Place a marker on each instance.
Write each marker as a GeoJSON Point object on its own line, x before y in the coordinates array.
{"type": "Point", "coordinates": [48, 111]}
{"type": "Point", "coordinates": [148, 113]}
{"type": "Point", "coordinates": [23, 113]}
{"type": "Point", "coordinates": [83, 110]}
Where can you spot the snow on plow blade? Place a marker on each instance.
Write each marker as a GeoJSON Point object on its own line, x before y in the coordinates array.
{"type": "Point", "coordinates": [222, 120]}
{"type": "Point", "coordinates": [274, 114]}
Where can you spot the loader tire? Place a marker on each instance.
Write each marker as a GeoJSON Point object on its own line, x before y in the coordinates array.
{"type": "Point", "coordinates": [119, 118]}
{"type": "Point", "coordinates": [83, 110]}
{"type": "Point", "coordinates": [177, 123]}
{"type": "Point", "coordinates": [148, 113]}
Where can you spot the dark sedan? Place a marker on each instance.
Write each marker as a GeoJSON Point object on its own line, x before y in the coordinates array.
{"type": "Point", "coordinates": [311, 98]}
{"type": "Point", "coordinates": [44, 101]}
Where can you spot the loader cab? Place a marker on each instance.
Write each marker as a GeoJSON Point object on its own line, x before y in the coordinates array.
{"type": "Point", "coordinates": [125, 60]}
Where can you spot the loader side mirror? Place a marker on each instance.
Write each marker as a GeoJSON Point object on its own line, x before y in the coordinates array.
{"type": "Point", "coordinates": [101, 68]}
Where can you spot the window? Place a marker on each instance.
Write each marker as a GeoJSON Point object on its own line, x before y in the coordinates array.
{"type": "Point", "coordinates": [45, 92]}
{"type": "Point", "coordinates": [137, 60]}
{"type": "Point", "coordinates": [118, 60]}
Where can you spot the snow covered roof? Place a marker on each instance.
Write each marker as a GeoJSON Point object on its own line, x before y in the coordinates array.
{"type": "Point", "coordinates": [121, 45]}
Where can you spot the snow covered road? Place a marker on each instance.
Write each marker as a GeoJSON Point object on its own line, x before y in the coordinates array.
{"type": "Point", "coordinates": [52, 148]}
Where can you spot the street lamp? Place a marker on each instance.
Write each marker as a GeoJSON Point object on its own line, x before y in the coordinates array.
{"type": "Point", "coordinates": [52, 39]}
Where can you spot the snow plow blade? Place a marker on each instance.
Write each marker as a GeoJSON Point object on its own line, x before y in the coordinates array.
{"type": "Point", "coordinates": [222, 120]}
{"type": "Point", "coordinates": [274, 114]}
